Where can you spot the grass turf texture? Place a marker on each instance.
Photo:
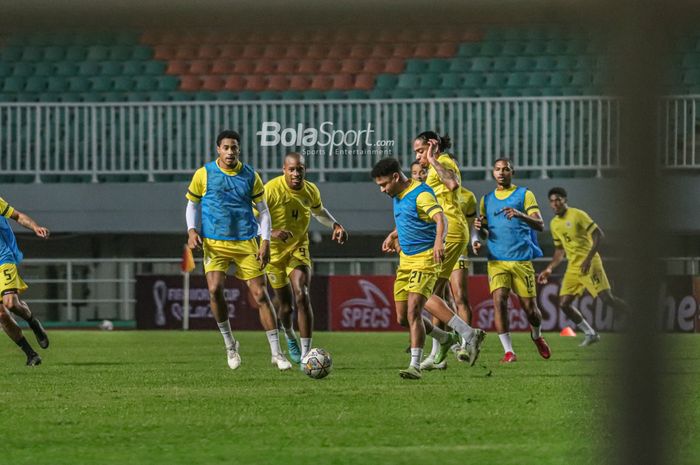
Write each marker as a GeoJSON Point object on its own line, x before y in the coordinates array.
{"type": "Point", "coordinates": [169, 398]}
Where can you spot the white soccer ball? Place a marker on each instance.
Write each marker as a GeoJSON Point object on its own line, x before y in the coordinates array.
{"type": "Point", "coordinates": [106, 325]}
{"type": "Point", "coordinates": [317, 364]}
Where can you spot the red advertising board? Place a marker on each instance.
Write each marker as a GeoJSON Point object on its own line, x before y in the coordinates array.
{"type": "Point", "coordinates": [362, 303]}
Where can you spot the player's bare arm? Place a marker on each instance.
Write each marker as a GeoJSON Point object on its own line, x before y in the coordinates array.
{"type": "Point", "coordinates": [391, 243]}
{"type": "Point", "coordinates": [29, 223]}
{"type": "Point", "coordinates": [323, 216]}
{"type": "Point", "coordinates": [447, 177]}
{"type": "Point", "coordinates": [265, 222]}
{"type": "Point", "coordinates": [557, 258]}
{"type": "Point", "coordinates": [534, 220]}
{"type": "Point", "coordinates": [440, 235]}
{"type": "Point", "coordinates": [281, 235]}
{"type": "Point", "coordinates": [597, 236]}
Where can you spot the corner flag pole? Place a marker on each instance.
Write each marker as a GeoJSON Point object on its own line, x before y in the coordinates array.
{"type": "Point", "coordinates": [186, 266]}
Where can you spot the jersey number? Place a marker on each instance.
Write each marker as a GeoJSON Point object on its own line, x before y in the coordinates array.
{"type": "Point", "coordinates": [415, 276]}
{"type": "Point", "coordinates": [8, 275]}
{"type": "Point", "coordinates": [566, 237]}
{"type": "Point", "coordinates": [295, 214]}
{"type": "Point", "coordinates": [529, 282]}
{"type": "Point", "coordinates": [302, 251]}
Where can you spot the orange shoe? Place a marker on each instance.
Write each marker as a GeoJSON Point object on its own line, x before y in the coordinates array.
{"type": "Point", "coordinates": [542, 347]}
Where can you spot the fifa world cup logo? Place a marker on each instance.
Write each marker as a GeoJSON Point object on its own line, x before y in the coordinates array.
{"type": "Point", "coordinates": [160, 290]}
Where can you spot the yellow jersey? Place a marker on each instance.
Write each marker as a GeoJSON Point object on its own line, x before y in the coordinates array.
{"type": "Point", "coordinates": [198, 185]}
{"type": "Point", "coordinates": [449, 200]}
{"type": "Point", "coordinates": [572, 232]}
{"type": "Point", "coordinates": [5, 209]}
{"type": "Point", "coordinates": [530, 200]}
{"type": "Point", "coordinates": [290, 210]}
{"type": "Point", "coordinates": [467, 203]}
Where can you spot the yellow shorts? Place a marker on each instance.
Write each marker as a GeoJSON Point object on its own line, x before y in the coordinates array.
{"type": "Point", "coordinates": [10, 280]}
{"type": "Point", "coordinates": [416, 273]}
{"type": "Point", "coordinates": [219, 255]}
{"type": "Point", "coordinates": [596, 281]}
{"type": "Point", "coordinates": [516, 276]}
{"type": "Point", "coordinates": [453, 250]}
{"type": "Point", "coordinates": [463, 263]}
{"type": "Point", "coordinates": [283, 262]}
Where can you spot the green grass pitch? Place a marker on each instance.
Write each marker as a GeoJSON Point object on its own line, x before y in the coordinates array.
{"type": "Point", "coordinates": [169, 398]}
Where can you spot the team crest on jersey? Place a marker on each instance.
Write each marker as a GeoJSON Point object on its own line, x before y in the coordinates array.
{"type": "Point", "coordinates": [568, 224]}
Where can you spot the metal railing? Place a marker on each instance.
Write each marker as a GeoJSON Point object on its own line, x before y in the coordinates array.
{"type": "Point", "coordinates": [679, 124]}
{"type": "Point", "coordinates": [154, 140]}
{"type": "Point", "coordinates": [94, 289]}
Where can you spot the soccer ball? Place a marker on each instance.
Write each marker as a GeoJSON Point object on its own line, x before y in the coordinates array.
{"type": "Point", "coordinates": [317, 363]}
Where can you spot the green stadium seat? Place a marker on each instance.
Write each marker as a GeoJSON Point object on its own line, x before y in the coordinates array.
{"type": "Point", "coordinates": [481, 64]}
{"type": "Point", "coordinates": [97, 53]}
{"type": "Point", "coordinates": [167, 83]}
{"type": "Point", "coordinates": [503, 64]}
{"type": "Point", "coordinates": [48, 97]}
{"type": "Point", "coordinates": [566, 62]}
{"type": "Point", "coordinates": [32, 54]}
{"type": "Point", "coordinates": [119, 53]}
{"type": "Point", "coordinates": [7, 97]}
{"type": "Point", "coordinates": [23, 69]}
{"type": "Point", "coordinates": [336, 95]}
{"type": "Point", "coordinates": [154, 68]}
{"type": "Point", "coordinates": [560, 79]}
{"type": "Point", "coordinates": [155, 96]}
{"type": "Point", "coordinates": [27, 97]}
{"type": "Point", "coordinates": [146, 84]}
{"type": "Point", "coordinates": [691, 60]}
{"type": "Point", "coordinates": [517, 80]}
{"type": "Point", "coordinates": [401, 93]}
{"type": "Point", "coordinates": [460, 65]}
{"type": "Point", "coordinates": [181, 96]}
{"type": "Point", "coordinates": [545, 63]}
{"type": "Point", "coordinates": [512, 48]}
{"type": "Point", "coordinates": [247, 95]}
{"type": "Point", "coordinates": [422, 93]}
{"type": "Point", "coordinates": [44, 68]}
{"type": "Point", "coordinates": [76, 53]}
{"type": "Point", "coordinates": [438, 66]}
{"type": "Point", "coordinates": [35, 84]}
{"type": "Point", "coordinates": [538, 80]}
{"type": "Point", "coordinates": [111, 68]}
{"type": "Point", "coordinates": [66, 69]}
{"type": "Point", "coordinates": [69, 97]}
{"type": "Point", "coordinates": [556, 47]}
{"type": "Point", "coordinates": [123, 84]}
{"type": "Point", "coordinates": [271, 95]}
{"type": "Point", "coordinates": [113, 97]}
{"type": "Point", "coordinates": [452, 80]}
{"type": "Point", "coordinates": [57, 84]}
{"type": "Point", "coordinates": [313, 95]}
{"type": "Point", "coordinates": [416, 66]}
{"type": "Point", "coordinates": [586, 63]}
{"type": "Point", "coordinates": [78, 84]}
{"type": "Point", "coordinates": [386, 81]}
{"type": "Point", "coordinates": [291, 95]}
{"type": "Point", "coordinates": [5, 69]}
{"type": "Point", "coordinates": [490, 49]}
{"type": "Point", "coordinates": [428, 81]}
{"type": "Point", "coordinates": [10, 54]}
{"type": "Point", "coordinates": [581, 79]}
{"type": "Point", "coordinates": [225, 95]}
{"type": "Point", "coordinates": [469, 49]}
{"type": "Point", "coordinates": [101, 84]}
{"type": "Point", "coordinates": [13, 84]}
{"type": "Point", "coordinates": [54, 53]}
{"type": "Point", "coordinates": [133, 68]}
{"type": "Point", "coordinates": [535, 47]}
{"type": "Point", "coordinates": [357, 94]}
{"type": "Point", "coordinates": [444, 93]}
{"type": "Point", "coordinates": [379, 94]}
{"type": "Point", "coordinates": [86, 68]}
{"type": "Point", "coordinates": [473, 80]}
{"type": "Point", "coordinates": [523, 63]}
{"type": "Point", "coordinates": [141, 53]}
{"type": "Point", "coordinates": [496, 80]}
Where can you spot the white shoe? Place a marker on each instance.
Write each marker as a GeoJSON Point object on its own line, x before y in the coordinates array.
{"type": "Point", "coordinates": [428, 364]}
{"type": "Point", "coordinates": [281, 361]}
{"type": "Point", "coordinates": [234, 359]}
{"type": "Point", "coordinates": [590, 339]}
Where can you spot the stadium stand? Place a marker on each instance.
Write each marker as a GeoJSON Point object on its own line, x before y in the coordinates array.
{"type": "Point", "coordinates": [306, 65]}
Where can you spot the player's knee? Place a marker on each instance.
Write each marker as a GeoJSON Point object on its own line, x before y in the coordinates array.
{"type": "Point", "coordinates": [216, 289]}
{"type": "Point", "coordinates": [301, 301]}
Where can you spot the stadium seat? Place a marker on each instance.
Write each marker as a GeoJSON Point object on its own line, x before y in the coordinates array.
{"type": "Point", "coordinates": [503, 64]}
{"type": "Point", "coordinates": [97, 53]}
{"type": "Point", "coordinates": [364, 82]}
{"type": "Point", "coordinates": [13, 84]}
{"type": "Point", "coordinates": [244, 66]}
{"type": "Point", "coordinates": [387, 81]}
{"type": "Point", "coordinates": [234, 83]}
{"type": "Point", "coordinates": [78, 84]}
{"type": "Point", "coordinates": [35, 84]}
{"type": "Point", "coordinates": [86, 68]}
{"type": "Point", "coordinates": [325, 66]}
{"type": "Point", "coordinates": [44, 68]}
{"type": "Point", "coordinates": [438, 66]}
{"type": "Point", "coordinates": [120, 53]}
{"type": "Point", "coordinates": [145, 84]}
{"type": "Point", "coordinates": [101, 84]}
{"type": "Point", "coordinates": [452, 81]}
{"type": "Point", "coordinates": [167, 83]}
{"type": "Point", "coordinates": [199, 67]}
{"type": "Point", "coordinates": [5, 69]}
{"type": "Point", "coordinates": [122, 84]}
{"type": "Point", "coordinates": [414, 66]}
{"type": "Point", "coordinates": [321, 82]}
{"type": "Point", "coordinates": [32, 54]}
{"type": "Point", "coordinates": [317, 51]}
{"type": "Point", "coordinates": [111, 68]}
{"type": "Point", "coordinates": [286, 66]}
{"type": "Point", "coordinates": [299, 83]}
{"type": "Point", "coordinates": [133, 68]}
{"type": "Point", "coordinates": [57, 84]}
{"type": "Point", "coordinates": [256, 83]}
{"type": "Point", "coordinates": [343, 81]}
{"type": "Point", "coordinates": [264, 66]}
{"type": "Point", "coordinates": [23, 69]}
{"type": "Point", "coordinates": [313, 95]}
{"type": "Point", "coordinates": [54, 53]}
{"type": "Point", "coordinates": [222, 67]}
{"type": "Point", "coordinates": [211, 83]}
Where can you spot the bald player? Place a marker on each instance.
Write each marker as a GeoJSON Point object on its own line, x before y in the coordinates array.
{"type": "Point", "coordinates": [292, 200]}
